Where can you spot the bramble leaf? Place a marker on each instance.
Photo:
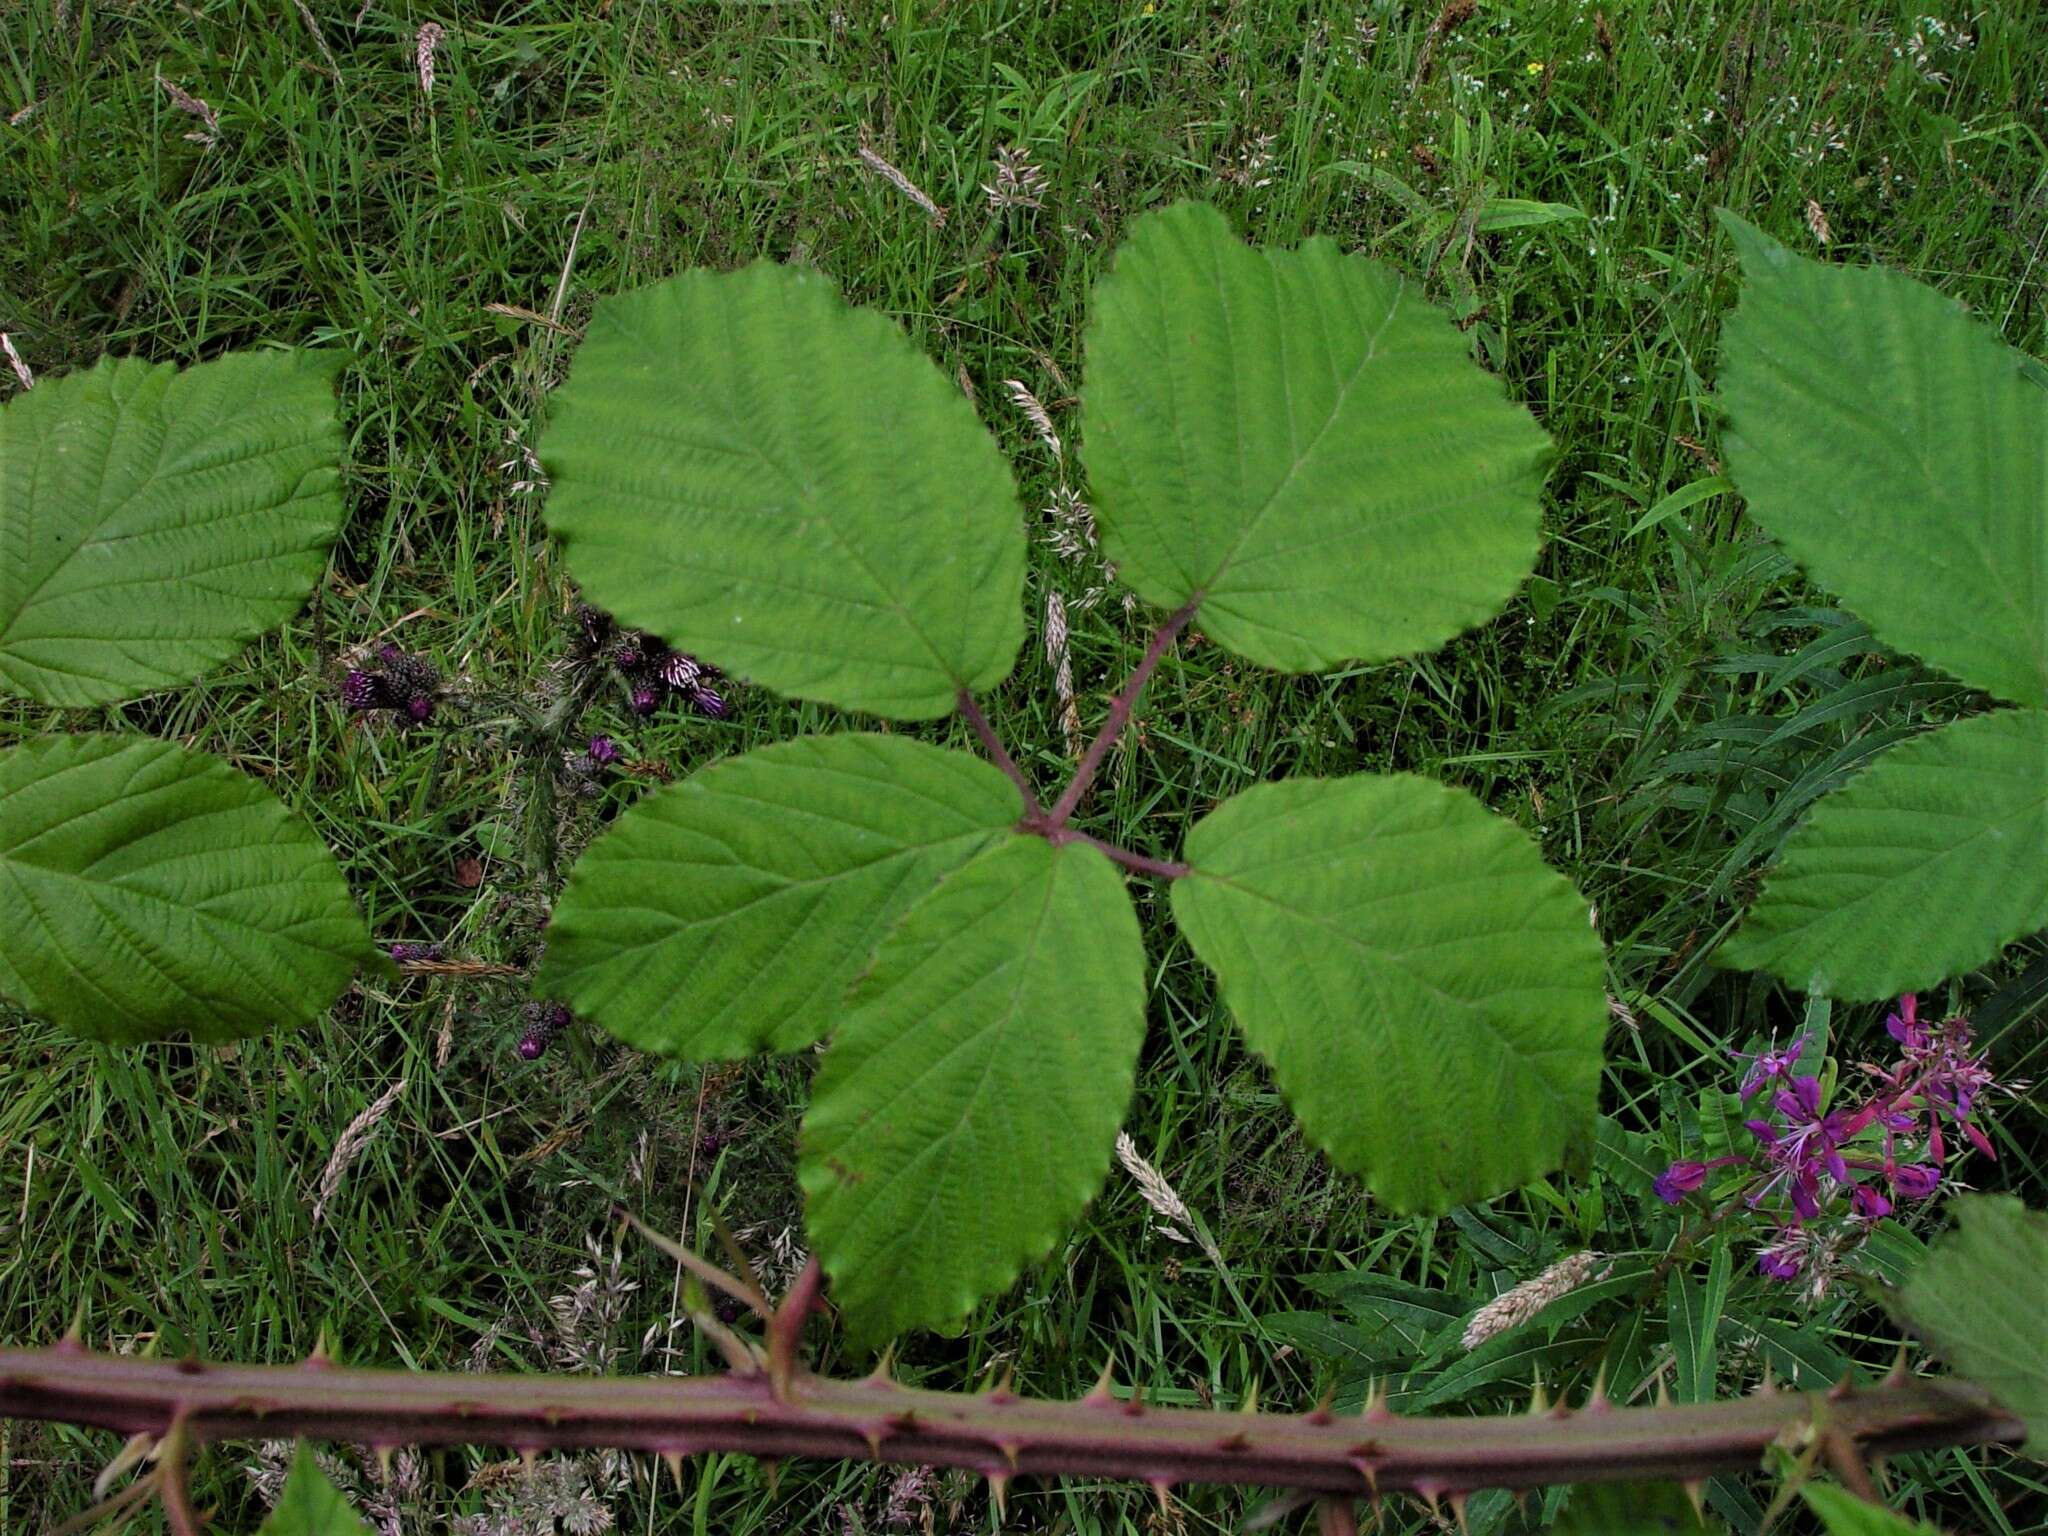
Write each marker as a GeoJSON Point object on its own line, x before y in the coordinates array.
{"type": "Point", "coordinates": [764, 475]}
{"type": "Point", "coordinates": [727, 914]}
{"type": "Point", "coordinates": [310, 1505]}
{"type": "Point", "coordinates": [1944, 837]}
{"type": "Point", "coordinates": [965, 1112]}
{"type": "Point", "coordinates": [153, 520]}
{"type": "Point", "coordinates": [1300, 440]}
{"type": "Point", "coordinates": [1896, 450]}
{"type": "Point", "coordinates": [1979, 1299]}
{"type": "Point", "coordinates": [147, 889]}
{"type": "Point", "coordinates": [1427, 990]}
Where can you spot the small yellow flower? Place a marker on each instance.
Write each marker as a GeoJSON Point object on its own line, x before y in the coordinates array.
{"type": "Point", "coordinates": [1150, 8]}
{"type": "Point", "coordinates": [1535, 66]}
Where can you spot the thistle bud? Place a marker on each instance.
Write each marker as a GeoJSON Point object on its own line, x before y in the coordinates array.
{"type": "Point", "coordinates": [543, 1022]}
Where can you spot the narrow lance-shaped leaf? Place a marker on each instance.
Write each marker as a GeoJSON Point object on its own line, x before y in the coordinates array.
{"type": "Point", "coordinates": [1980, 1298]}
{"type": "Point", "coordinates": [781, 483]}
{"type": "Point", "coordinates": [1894, 447]}
{"type": "Point", "coordinates": [1943, 838]}
{"type": "Point", "coordinates": [1428, 991]}
{"type": "Point", "coordinates": [728, 913]}
{"type": "Point", "coordinates": [1301, 441]}
{"type": "Point", "coordinates": [966, 1111]}
{"type": "Point", "coordinates": [152, 520]}
{"type": "Point", "coordinates": [146, 889]}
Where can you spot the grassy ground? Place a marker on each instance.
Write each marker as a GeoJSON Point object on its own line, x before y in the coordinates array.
{"type": "Point", "coordinates": [571, 149]}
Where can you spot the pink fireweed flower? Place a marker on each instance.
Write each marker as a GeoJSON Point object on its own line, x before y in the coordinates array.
{"type": "Point", "coordinates": [1825, 1166]}
{"type": "Point", "coordinates": [1769, 1065]}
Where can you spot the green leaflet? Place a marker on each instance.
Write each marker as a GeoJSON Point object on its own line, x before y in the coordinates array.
{"type": "Point", "coordinates": [1893, 446]}
{"type": "Point", "coordinates": [146, 889]}
{"type": "Point", "coordinates": [764, 475]}
{"type": "Point", "coordinates": [1299, 440]}
{"type": "Point", "coordinates": [964, 1114]}
{"type": "Point", "coordinates": [1843, 1514]}
{"type": "Point", "coordinates": [1979, 1300]}
{"type": "Point", "coordinates": [728, 913]}
{"type": "Point", "coordinates": [1428, 991]}
{"type": "Point", "coordinates": [310, 1505]}
{"type": "Point", "coordinates": [1944, 837]}
{"type": "Point", "coordinates": [152, 520]}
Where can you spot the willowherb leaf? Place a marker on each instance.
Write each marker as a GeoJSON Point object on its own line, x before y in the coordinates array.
{"type": "Point", "coordinates": [1943, 837]}
{"type": "Point", "coordinates": [1979, 1299]}
{"type": "Point", "coordinates": [153, 520]}
{"type": "Point", "coordinates": [1429, 993]}
{"type": "Point", "coordinates": [146, 889]}
{"type": "Point", "coordinates": [1301, 441]}
{"type": "Point", "coordinates": [965, 1112]}
{"type": "Point", "coordinates": [728, 913]}
{"type": "Point", "coordinates": [1895, 448]}
{"type": "Point", "coordinates": [784, 485]}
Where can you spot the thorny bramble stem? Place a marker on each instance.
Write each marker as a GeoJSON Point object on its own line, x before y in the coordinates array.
{"type": "Point", "coordinates": [999, 754]}
{"type": "Point", "coordinates": [996, 1433]}
{"type": "Point", "coordinates": [1119, 714]}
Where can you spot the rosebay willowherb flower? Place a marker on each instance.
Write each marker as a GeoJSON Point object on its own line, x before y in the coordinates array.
{"type": "Point", "coordinates": [1825, 1164]}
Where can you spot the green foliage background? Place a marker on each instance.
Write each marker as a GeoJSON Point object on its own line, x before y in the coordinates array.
{"type": "Point", "coordinates": [1659, 705]}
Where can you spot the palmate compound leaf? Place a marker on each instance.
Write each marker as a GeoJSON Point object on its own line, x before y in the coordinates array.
{"type": "Point", "coordinates": [1979, 1298]}
{"type": "Point", "coordinates": [727, 914]}
{"type": "Point", "coordinates": [764, 475]}
{"type": "Point", "coordinates": [1301, 441]}
{"type": "Point", "coordinates": [1428, 992]}
{"type": "Point", "coordinates": [146, 889]}
{"type": "Point", "coordinates": [1896, 450]}
{"type": "Point", "coordinates": [153, 520]}
{"type": "Point", "coordinates": [967, 1108]}
{"type": "Point", "coordinates": [1921, 866]}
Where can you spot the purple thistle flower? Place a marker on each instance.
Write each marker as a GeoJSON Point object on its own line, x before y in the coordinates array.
{"type": "Point", "coordinates": [645, 700]}
{"type": "Point", "coordinates": [603, 750]}
{"type": "Point", "coordinates": [709, 701]}
{"type": "Point", "coordinates": [628, 657]}
{"type": "Point", "coordinates": [678, 670]}
{"type": "Point", "coordinates": [544, 1021]}
{"type": "Point", "coordinates": [405, 684]}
